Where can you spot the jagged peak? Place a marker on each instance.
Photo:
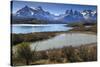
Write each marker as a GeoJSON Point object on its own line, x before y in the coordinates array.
{"type": "Point", "coordinates": [70, 12]}
{"type": "Point", "coordinates": [76, 12]}
{"type": "Point", "coordinates": [88, 11]}
{"type": "Point", "coordinates": [39, 8]}
{"type": "Point", "coordinates": [26, 6]}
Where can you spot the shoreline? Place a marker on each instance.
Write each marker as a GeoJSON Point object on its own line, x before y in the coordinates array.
{"type": "Point", "coordinates": [58, 55]}
{"type": "Point", "coordinates": [39, 36]}
{"type": "Point", "coordinates": [57, 34]}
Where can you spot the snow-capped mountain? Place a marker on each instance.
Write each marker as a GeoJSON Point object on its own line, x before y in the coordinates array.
{"type": "Point", "coordinates": [39, 13]}
{"type": "Point", "coordinates": [25, 12]}
{"type": "Point", "coordinates": [70, 15]}
{"type": "Point", "coordinates": [89, 14]}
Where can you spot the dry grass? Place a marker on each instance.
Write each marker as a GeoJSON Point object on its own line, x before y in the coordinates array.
{"type": "Point", "coordinates": [68, 54]}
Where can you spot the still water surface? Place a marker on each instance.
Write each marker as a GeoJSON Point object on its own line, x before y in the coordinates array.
{"type": "Point", "coordinates": [29, 28]}
{"type": "Point", "coordinates": [73, 39]}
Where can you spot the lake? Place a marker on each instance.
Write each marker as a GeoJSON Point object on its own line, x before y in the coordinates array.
{"type": "Point", "coordinates": [30, 28]}
{"type": "Point", "coordinates": [59, 41]}
{"type": "Point", "coordinates": [69, 39]}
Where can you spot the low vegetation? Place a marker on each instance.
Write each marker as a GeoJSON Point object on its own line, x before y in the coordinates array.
{"type": "Point", "coordinates": [61, 55]}
{"type": "Point", "coordinates": [25, 56]}
{"type": "Point", "coordinates": [84, 27]}
{"type": "Point", "coordinates": [31, 37]}
{"type": "Point", "coordinates": [28, 21]}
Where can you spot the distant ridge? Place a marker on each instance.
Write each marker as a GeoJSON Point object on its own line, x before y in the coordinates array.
{"type": "Point", "coordinates": [39, 14]}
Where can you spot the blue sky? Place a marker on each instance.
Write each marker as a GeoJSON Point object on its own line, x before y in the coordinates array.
{"type": "Point", "coordinates": [54, 8]}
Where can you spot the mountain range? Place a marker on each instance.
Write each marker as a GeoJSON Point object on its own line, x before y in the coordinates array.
{"type": "Point", "coordinates": [39, 14]}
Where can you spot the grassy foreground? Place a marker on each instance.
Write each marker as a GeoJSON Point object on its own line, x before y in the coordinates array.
{"type": "Point", "coordinates": [83, 53]}
{"type": "Point", "coordinates": [67, 54]}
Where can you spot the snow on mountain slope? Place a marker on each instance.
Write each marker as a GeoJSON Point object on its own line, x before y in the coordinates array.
{"type": "Point", "coordinates": [69, 16]}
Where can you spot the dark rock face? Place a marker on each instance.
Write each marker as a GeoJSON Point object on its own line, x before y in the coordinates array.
{"type": "Point", "coordinates": [69, 16]}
